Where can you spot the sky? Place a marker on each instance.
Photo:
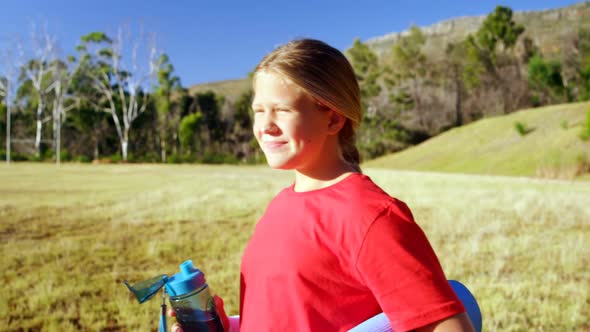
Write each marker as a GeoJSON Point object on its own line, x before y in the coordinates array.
{"type": "Point", "coordinates": [220, 40]}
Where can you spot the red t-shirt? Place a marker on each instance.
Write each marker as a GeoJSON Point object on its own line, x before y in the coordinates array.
{"type": "Point", "coordinates": [329, 259]}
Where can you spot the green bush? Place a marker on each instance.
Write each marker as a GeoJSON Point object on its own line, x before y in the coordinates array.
{"type": "Point", "coordinates": [131, 157]}
{"type": "Point", "coordinates": [211, 157]}
{"type": "Point", "coordinates": [49, 155]}
{"type": "Point", "coordinates": [34, 157]}
{"type": "Point", "coordinates": [173, 158]}
{"type": "Point", "coordinates": [564, 124]}
{"type": "Point", "coordinates": [148, 157]}
{"type": "Point", "coordinates": [65, 155]}
{"type": "Point", "coordinates": [14, 156]}
{"type": "Point", "coordinates": [82, 159]}
{"type": "Point", "coordinates": [522, 128]}
{"type": "Point", "coordinates": [177, 158]}
{"type": "Point", "coordinates": [535, 100]}
{"type": "Point", "coordinates": [19, 157]}
{"type": "Point", "coordinates": [187, 130]}
{"type": "Point", "coordinates": [585, 133]}
{"type": "Point", "coordinates": [115, 158]}
{"type": "Point", "coordinates": [255, 159]}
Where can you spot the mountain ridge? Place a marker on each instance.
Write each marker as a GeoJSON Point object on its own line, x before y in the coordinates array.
{"type": "Point", "coordinates": [546, 36]}
{"type": "Point", "coordinates": [459, 27]}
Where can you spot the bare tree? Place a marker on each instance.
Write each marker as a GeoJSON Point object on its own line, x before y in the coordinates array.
{"type": "Point", "coordinates": [38, 71]}
{"type": "Point", "coordinates": [8, 86]}
{"type": "Point", "coordinates": [63, 75]}
{"type": "Point", "coordinates": [125, 87]}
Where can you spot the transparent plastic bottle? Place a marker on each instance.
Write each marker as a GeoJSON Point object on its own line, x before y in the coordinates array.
{"type": "Point", "coordinates": [192, 301]}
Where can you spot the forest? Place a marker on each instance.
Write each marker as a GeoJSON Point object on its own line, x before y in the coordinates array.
{"type": "Point", "coordinates": [106, 103]}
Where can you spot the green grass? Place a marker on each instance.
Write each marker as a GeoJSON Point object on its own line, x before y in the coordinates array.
{"type": "Point", "coordinates": [493, 146]}
{"type": "Point", "coordinates": [71, 234]}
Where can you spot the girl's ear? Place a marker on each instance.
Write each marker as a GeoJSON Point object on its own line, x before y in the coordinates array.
{"type": "Point", "coordinates": [336, 123]}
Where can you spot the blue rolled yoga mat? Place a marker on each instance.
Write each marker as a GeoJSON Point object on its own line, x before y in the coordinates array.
{"type": "Point", "coordinates": [469, 303]}
{"type": "Point", "coordinates": [380, 323]}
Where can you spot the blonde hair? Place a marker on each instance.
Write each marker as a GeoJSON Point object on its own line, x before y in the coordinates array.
{"type": "Point", "coordinates": [324, 73]}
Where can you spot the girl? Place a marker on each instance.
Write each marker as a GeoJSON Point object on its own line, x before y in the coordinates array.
{"type": "Point", "coordinates": [333, 249]}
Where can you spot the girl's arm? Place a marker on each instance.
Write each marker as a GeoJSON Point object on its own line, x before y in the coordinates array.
{"type": "Point", "coordinates": [457, 323]}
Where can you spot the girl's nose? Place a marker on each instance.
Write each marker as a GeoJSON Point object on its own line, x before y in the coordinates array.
{"type": "Point", "coordinates": [268, 125]}
{"type": "Point", "coordinates": [270, 128]}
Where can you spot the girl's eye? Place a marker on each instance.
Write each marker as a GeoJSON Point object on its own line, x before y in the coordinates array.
{"type": "Point", "coordinates": [282, 110]}
{"type": "Point", "coordinates": [257, 110]}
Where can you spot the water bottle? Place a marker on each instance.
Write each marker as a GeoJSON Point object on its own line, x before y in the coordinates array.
{"type": "Point", "coordinates": [192, 301]}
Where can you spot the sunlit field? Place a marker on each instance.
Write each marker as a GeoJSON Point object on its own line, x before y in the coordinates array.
{"type": "Point", "coordinates": [71, 234]}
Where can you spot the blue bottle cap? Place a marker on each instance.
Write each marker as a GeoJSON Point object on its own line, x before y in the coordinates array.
{"type": "Point", "coordinates": [187, 280]}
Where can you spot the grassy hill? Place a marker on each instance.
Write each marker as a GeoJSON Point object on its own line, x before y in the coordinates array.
{"type": "Point", "coordinates": [552, 148]}
{"type": "Point", "coordinates": [230, 89]}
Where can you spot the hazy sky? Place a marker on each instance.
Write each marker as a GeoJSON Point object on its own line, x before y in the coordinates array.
{"type": "Point", "coordinates": [219, 40]}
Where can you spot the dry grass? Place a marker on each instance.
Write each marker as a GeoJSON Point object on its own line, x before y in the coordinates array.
{"type": "Point", "coordinates": [70, 235]}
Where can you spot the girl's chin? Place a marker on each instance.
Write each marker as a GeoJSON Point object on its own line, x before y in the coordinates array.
{"type": "Point", "coordinates": [277, 163]}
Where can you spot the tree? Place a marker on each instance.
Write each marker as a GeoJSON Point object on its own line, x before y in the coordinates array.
{"type": "Point", "coordinates": [8, 86]}
{"type": "Point", "coordinates": [63, 75]}
{"type": "Point", "coordinates": [208, 105]}
{"type": "Point", "coordinates": [90, 128]}
{"type": "Point", "coordinates": [455, 69]}
{"type": "Point", "coordinates": [241, 135]}
{"type": "Point", "coordinates": [366, 68]}
{"type": "Point", "coordinates": [576, 69]}
{"type": "Point", "coordinates": [188, 132]}
{"type": "Point", "coordinates": [38, 72]}
{"type": "Point", "coordinates": [410, 73]}
{"type": "Point", "coordinates": [6, 92]}
{"type": "Point", "coordinates": [166, 105]}
{"type": "Point", "coordinates": [491, 60]}
{"type": "Point", "coordinates": [122, 86]}
{"type": "Point", "coordinates": [497, 34]}
{"type": "Point", "coordinates": [546, 81]}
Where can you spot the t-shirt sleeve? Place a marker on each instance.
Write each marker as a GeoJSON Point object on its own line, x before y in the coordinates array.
{"type": "Point", "coordinates": [399, 266]}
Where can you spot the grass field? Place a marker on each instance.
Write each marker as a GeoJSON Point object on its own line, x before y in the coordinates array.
{"type": "Point", "coordinates": [71, 234]}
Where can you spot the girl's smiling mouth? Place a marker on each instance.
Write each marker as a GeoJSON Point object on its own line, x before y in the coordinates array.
{"type": "Point", "coordinates": [272, 146]}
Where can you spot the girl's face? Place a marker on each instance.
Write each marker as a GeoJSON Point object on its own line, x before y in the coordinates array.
{"type": "Point", "coordinates": [290, 126]}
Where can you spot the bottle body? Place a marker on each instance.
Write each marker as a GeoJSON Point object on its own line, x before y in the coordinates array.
{"type": "Point", "coordinates": [196, 312]}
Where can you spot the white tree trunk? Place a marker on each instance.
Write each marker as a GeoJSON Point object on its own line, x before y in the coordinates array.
{"type": "Point", "coordinates": [56, 126]}
{"type": "Point", "coordinates": [39, 126]}
{"type": "Point", "coordinates": [7, 132]}
{"type": "Point", "coordinates": [57, 133]}
{"type": "Point", "coordinates": [96, 152]}
{"type": "Point", "coordinates": [124, 144]}
{"type": "Point", "coordinates": [11, 63]}
{"type": "Point", "coordinates": [163, 149]}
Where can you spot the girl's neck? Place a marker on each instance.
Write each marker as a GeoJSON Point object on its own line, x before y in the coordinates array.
{"type": "Point", "coordinates": [322, 178]}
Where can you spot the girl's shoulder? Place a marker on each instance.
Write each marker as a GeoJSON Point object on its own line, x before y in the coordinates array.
{"type": "Point", "coordinates": [369, 199]}
{"type": "Point", "coordinates": [356, 195]}
{"type": "Point", "coordinates": [361, 189]}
